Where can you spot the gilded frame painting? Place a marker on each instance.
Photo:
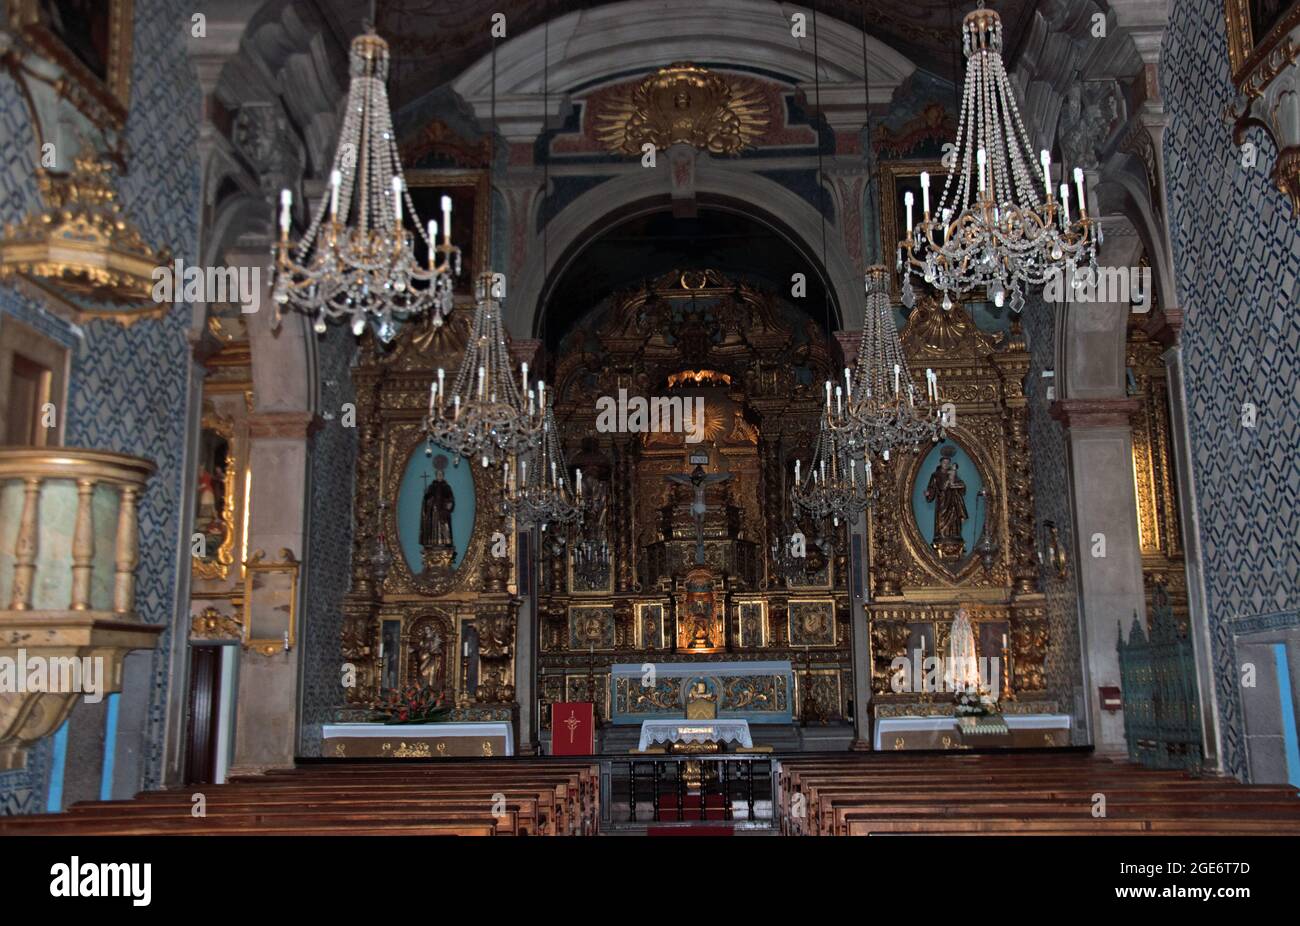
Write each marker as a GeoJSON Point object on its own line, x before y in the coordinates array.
{"type": "Point", "coordinates": [469, 192]}
{"type": "Point", "coordinates": [1255, 29]}
{"type": "Point", "coordinates": [217, 498]}
{"type": "Point", "coordinates": [896, 179]}
{"type": "Point", "coordinates": [270, 602]}
{"type": "Point", "coordinates": [91, 41]}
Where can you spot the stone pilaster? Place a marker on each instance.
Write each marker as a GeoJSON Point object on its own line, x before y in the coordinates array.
{"type": "Point", "coordinates": [1109, 555]}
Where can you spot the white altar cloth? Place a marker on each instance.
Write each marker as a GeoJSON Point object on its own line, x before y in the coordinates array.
{"type": "Point", "coordinates": [677, 730]}
{"type": "Point", "coordinates": [887, 726]}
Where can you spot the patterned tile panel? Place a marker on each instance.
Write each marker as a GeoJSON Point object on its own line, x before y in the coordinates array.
{"type": "Point", "coordinates": [1051, 467]}
{"type": "Point", "coordinates": [1237, 255]}
{"type": "Point", "coordinates": [128, 385]}
{"type": "Point", "coordinates": [329, 546]}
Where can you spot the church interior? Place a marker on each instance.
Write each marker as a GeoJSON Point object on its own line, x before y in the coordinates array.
{"type": "Point", "coordinates": [578, 417]}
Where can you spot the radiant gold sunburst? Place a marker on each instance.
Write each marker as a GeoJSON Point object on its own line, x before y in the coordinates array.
{"type": "Point", "coordinates": [684, 104]}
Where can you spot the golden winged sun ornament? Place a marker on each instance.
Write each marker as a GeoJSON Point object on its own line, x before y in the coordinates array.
{"type": "Point", "coordinates": [684, 104]}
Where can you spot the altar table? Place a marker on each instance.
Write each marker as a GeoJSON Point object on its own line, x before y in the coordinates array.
{"type": "Point", "coordinates": [418, 740]}
{"type": "Point", "coordinates": [694, 731]}
{"type": "Point", "coordinates": [1023, 730]}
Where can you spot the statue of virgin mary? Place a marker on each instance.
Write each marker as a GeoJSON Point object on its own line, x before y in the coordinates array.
{"type": "Point", "coordinates": [962, 671]}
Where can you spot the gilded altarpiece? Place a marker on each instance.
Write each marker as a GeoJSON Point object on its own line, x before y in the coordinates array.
{"type": "Point", "coordinates": [1159, 521]}
{"type": "Point", "coordinates": [451, 609]}
{"type": "Point", "coordinates": [677, 589]}
{"type": "Point", "coordinates": [919, 579]}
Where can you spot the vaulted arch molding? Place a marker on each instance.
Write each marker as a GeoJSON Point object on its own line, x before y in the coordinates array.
{"type": "Point", "coordinates": [782, 210]}
{"type": "Point", "coordinates": [289, 54]}
{"type": "Point", "coordinates": [1124, 191]}
{"type": "Point", "coordinates": [560, 312]}
{"type": "Point", "coordinates": [592, 45]}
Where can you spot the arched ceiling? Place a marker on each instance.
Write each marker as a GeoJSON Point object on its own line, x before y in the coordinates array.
{"type": "Point", "coordinates": [652, 244]}
{"type": "Point", "coordinates": [435, 40]}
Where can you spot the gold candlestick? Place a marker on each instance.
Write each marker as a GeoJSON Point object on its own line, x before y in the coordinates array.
{"type": "Point", "coordinates": [1007, 693]}
{"type": "Point", "coordinates": [925, 690]}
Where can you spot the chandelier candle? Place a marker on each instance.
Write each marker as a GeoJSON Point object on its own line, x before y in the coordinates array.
{"type": "Point", "coordinates": [356, 260]}
{"type": "Point", "coordinates": [492, 418]}
{"type": "Point", "coordinates": [996, 234]}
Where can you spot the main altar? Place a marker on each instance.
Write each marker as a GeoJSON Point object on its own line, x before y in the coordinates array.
{"type": "Point", "coordinates": [680, 570]}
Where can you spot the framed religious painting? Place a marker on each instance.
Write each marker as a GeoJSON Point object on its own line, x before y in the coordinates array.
{"type": "Point", "coordinates": [1255, 29]}
{"type": "Point", "coordinates": [216, 492]}
{"type": "Point", "coordinates": [897, 179]}
{"type": "Point", "coordinates": [91, 41]}
{"type": "Point", "coordinates": [469, 191]}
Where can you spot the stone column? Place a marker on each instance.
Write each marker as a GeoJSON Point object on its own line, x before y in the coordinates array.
{"type": "Point", "coordinates": [860, 634]}
{"type": "Point", "coordinates": [267, 705]}
{"type": "Point", "coordinates": [527, 644]}
{"type": "Point", "coordinates": [1100, 444]}
{"type": "Point", "coordinates": [859, 627]}
{"type": "Point", "coordinates": [279, 430]}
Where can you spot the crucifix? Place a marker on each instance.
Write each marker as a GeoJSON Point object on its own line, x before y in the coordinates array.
{"type": "Point", "coordinates": [698, 478]}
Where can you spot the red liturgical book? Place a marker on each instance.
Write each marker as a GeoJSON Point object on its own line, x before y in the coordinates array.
{"type": "Point", "coordinates": [573, 732]}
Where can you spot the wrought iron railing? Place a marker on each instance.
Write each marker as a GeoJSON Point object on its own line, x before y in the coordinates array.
{"type": "Point", "coordinates": [1162, 720]}
{"type": "Point", "coordinates": [688, 788]}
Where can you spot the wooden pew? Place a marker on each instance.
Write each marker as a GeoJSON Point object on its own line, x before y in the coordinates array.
{"type": "Point", "coordinates": [1041, 793]}
{"type": "Point", "coordinates": [442, 798]}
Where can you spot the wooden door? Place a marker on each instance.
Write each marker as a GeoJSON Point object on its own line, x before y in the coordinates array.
{"type": "Point", "coordinates": [204, 707]}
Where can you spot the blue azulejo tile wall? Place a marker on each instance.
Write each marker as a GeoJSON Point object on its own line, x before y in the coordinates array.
{"type": "Point", "coordinates": [1236, 246]}
{"type": "Point", "coordinates": [128, 389]}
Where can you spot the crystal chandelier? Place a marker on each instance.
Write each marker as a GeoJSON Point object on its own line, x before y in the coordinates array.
{"type": "Point", "coordinates": [880, 409]}
{"type": "Point", "coordinates": [591, 551]}
{"type": "Point", "coordinates": [591, 561]}
{"type": "Point", "coordinates": [991, 230]}
{"type": "Point", "coordinates": [486, 414]}
{"type": "Point", "coordinates": [537, 492]}
{"type": "Point", "coordinates": [363, 266]}
{"type": "Point", "coordinates": [786, 567]}
{"type": "Point", "coordinates": [837, 486]}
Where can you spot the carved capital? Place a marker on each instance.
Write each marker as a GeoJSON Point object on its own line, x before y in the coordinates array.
{"type": "Point", "coordinates": [289, 425]}
{"type": "Point", "coordinates": [1094, 413]}
{"type": "Point", "coordinates": [1165, 326]}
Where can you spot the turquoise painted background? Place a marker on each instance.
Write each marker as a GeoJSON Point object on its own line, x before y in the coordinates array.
{"type": "Point", "coordinates": [411, 492]}
{"type": "Point", "coordinates": [924, 510]}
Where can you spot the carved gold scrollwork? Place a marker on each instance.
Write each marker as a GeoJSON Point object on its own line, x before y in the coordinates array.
{"type": "Point", "coordinates": [685, 104]}
{"type": "Point", "coordinates": [211, 624]}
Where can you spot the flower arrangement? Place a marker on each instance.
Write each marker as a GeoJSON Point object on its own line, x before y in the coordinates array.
{"type": "Point", "coordinates": [412, 704]}
{"type": "Point", "coordinates": [971, 702]}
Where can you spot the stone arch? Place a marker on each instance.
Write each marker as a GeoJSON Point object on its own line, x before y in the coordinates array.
{"type": "Point", "coordinates": [1092, 336]}
{"type": "Point", "coordinates": [785, 211]}
{"type": "Point", "coordinates": [591, 45]}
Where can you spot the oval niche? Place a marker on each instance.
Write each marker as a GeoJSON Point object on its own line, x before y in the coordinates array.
{"type": "Point", "coordinates": [960, 470]}
{"type": "Point", "coordinates": [422, 472]}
